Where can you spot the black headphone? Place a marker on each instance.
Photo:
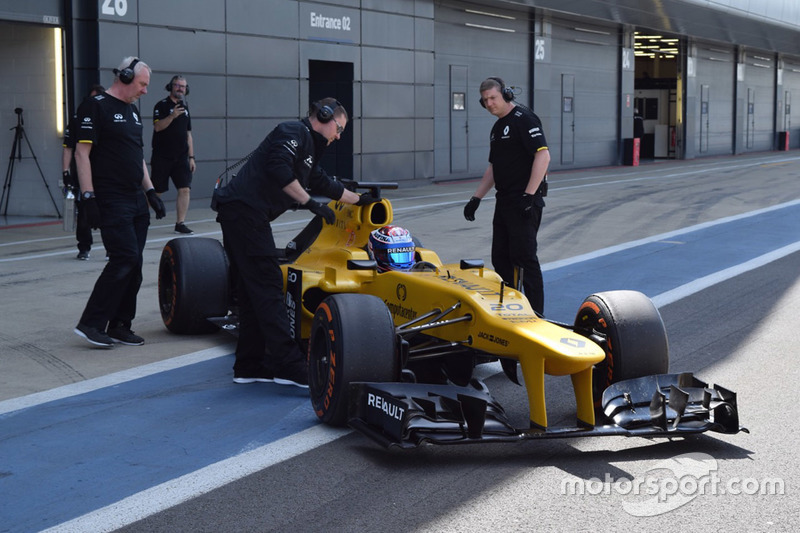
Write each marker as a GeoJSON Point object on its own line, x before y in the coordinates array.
{"type": "Point", "coordinates": [126, 75]}
{"type": "Point", "coordinates": [169, 85]}
{"type": "Point", "coordinates": [507, 92]}
{"type": "Point", "coordinates": [325, 112]}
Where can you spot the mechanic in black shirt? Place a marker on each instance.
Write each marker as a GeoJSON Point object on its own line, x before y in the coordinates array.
{"type": "Point", "coordinates": [518, 162]}
{"type": "Point", "coordinates": [115, 191]}
{"type": "Point", "coordinates": [173, 148]}
{"type": "Point", "coordinates": [275, 178]}
{"type": "Point", "coordinates": [83, 233]}
{"type": "Point", "coordinates": [638, 124]}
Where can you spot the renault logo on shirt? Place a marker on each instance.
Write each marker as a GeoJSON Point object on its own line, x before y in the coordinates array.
{"type": "Point", "coordinates": [309, 161]}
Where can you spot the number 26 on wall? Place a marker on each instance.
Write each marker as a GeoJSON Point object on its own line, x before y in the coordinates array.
{"type": "Point", "coordinates": [119, 8]}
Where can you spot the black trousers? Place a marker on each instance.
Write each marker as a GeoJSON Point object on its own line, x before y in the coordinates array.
{"type": "Point", "coordinates": [265, 343]}
{"type": "Point", "coordinates": [124, 231]}
{"type": "Point", "coordinates": [83, 232]}
{"type": "Point", "coordinates": [514, 244]}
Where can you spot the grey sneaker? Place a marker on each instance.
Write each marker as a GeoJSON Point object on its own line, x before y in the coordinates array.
{"type": "Point", "coordinates": [243, 380]}
{"type": "Point", "coordinates": [180, 227]}
{"type": "Point", "coordinates": [94, 336]}
{"type": "Point", "coordinates": [124, 335]}
{"type": "Point", "coordinates": [83, 256]}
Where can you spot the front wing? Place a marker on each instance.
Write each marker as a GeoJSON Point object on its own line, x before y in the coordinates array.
{"type": "Point", "coordinates": [409, 414]}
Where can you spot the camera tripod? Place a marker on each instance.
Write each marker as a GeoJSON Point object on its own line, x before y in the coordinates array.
{"type": "Point", "coordinates": [16, 151]}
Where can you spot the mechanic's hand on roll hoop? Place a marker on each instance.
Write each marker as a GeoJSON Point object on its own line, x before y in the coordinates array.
{"type": "Point", "coordinates": [156, 203]}
{"type": "Point", "coordinates": [366, 199]}
{"type": "Point", "coordinates": [320, 209]}
{"type": "Point", "coordinates": [471, 207]}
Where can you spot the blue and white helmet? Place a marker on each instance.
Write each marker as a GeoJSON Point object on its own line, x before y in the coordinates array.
{"type": "Point", "coordinates": [392, 247]}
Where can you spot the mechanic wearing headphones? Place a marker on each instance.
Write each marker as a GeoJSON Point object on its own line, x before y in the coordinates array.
{"type": "Point", "coordinates": [274, 179]}
{"type": "Point", "coordinates": [173, 148]}
{"type": "Point", "coordinates": [83, 233]}
{"type": "Point", "coordinates": [518, 161]}
{"type": "Point", "coordinates": [115, 191]}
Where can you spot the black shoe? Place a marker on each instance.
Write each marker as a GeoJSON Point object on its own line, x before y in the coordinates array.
{"type": "Point", "coordinates": [94, 336]}
{"type": "Point", "coordinates": [180, 227]}
{"type": "Point", "coordinates": [124, 335]}
{"type": "Point", "coordinates": [293, 374]}
{"type": "Point", "coordinates": [83, 256]}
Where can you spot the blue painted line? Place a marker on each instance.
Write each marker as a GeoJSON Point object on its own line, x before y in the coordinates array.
{"type": "Point", "coordinates": [662, 265]}
{"type": "Point", "coordinates": [66, 458]}
{"type": "Point", "coordinates": [73, 455]}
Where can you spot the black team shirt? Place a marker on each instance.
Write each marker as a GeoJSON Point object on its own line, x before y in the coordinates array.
{"type": "Point", "coordinates": [114, 129]}
{"type": "Point", "coordinates": [171, 143]}
{"type": "Point", "coordinates": [514, 141]}
{"type": "Point", "coordinates": [291, 151]}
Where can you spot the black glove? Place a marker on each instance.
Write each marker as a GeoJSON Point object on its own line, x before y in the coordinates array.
{"type": "Point", "coordinates": [320, 209]}
{"type": "Point", "coordinates": [527, 203]}
{"type": "Point", "coordinates": [366, 199]}
{"type": "Point", "coordinates": [69, 181]}
{"type": "Point", "coordinates": [92, 211]}
{"type": "Point", "coordinates": [156, 203]}
{"type": "Point", "coordinates": [471, 207]}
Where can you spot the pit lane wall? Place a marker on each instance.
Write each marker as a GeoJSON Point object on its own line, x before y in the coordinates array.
{"type": "Point", "coordinates": [408, 72]}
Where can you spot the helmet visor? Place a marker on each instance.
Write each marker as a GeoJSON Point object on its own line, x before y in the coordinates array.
{"type": "Point", "coordinates": [400, 256]}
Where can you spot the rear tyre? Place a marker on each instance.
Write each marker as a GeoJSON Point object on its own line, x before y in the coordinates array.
{"type": "Point", "coordinates": [192, 284]}
{"type": "Point", "coordinates": [352, 339]}
{"type": "Point", "coordinates": [636, 340]}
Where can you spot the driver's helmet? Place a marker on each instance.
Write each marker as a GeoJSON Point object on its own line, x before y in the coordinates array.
{"type": "Point", "coordinates": [392, 247]}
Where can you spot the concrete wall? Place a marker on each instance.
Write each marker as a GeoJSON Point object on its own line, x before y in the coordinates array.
{"type": "Point", "coordinates": [481, 46]}
{"type": "Point", "coordinates": [247, 63]}
{"type": "Point", "coordinates": [788, 118]}
{"type": "Point", "coordinates": [28, 81]}
{"type": "Point", "coordinates": [712, 77]}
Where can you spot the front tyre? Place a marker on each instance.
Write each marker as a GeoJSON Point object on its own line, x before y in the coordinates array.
{"type": "Point", "coordinates": [352, 339]}
{"type": "Point", "coordinates": [636, 339]}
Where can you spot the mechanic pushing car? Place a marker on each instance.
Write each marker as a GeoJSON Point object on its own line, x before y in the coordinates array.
{"type": "Point", "coordinates": [275, 178]}
{"type": "Point", "coordinates": [518, 161]}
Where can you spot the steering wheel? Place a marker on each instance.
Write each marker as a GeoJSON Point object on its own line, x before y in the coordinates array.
{"type": "Point", "coordinates": [423, 266]}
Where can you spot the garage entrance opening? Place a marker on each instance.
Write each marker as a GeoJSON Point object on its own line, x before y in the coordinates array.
{"type": "Point", "coordinates": [335, 79]}
{"type": "Point", "coordinates": [657, 94]}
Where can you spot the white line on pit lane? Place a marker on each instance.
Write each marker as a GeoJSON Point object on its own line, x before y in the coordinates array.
{"type": "Point", "coordinates": [184, 488]}
{"type": "Point", "coordinates": [176, 491]}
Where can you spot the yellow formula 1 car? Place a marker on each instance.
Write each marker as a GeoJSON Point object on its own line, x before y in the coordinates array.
{"type": "Point", "coordinates": [392, 354]}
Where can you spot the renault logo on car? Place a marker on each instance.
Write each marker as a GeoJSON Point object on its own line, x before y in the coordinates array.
{"type": "Point", "coordinates": [571, 341]}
